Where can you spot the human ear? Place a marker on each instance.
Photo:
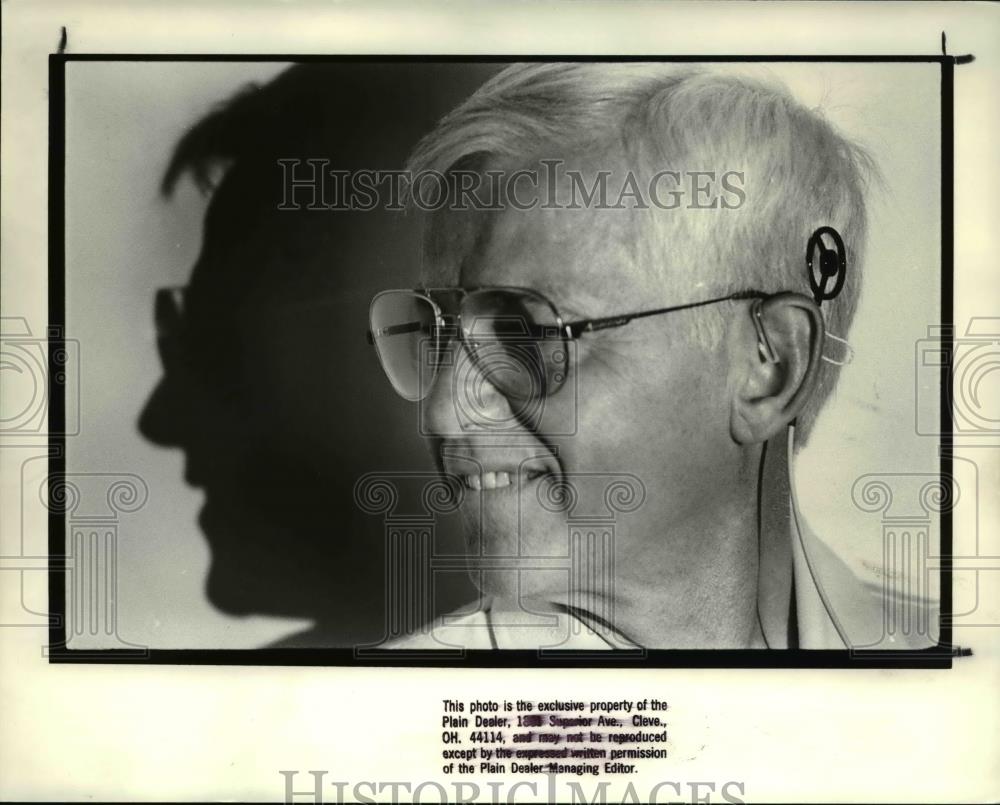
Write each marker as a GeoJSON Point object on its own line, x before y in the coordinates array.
{"type": "Point", "coordinates": [777, 357]}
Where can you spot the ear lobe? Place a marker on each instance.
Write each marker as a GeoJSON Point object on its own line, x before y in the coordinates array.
{"type": "Point", "coordinates": [779, 359]}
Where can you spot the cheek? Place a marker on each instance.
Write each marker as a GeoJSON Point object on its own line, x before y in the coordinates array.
{"type": "Point", "coordinates": [667, 423]}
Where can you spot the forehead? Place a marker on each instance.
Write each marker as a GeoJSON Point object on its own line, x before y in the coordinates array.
{"type": "Point", "coordinates": [254, 252]}
{"type": "Point", "coordinates": [584, 260]}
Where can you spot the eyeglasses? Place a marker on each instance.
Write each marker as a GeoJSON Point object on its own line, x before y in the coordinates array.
{"type": "Point", "coordinates": [515, 336]}
{"type": "Point", "coordinates": [168, 311]}
{"type": "Point", "coordinates": [198, 344]}
{"type": "Point", "coordinates": [173, 331]}
{"type": "Point", "coordinates": [186, 349]}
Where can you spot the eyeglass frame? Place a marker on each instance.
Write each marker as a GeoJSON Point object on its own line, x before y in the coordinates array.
{"type": "Point", "coordinates": [568, 331]}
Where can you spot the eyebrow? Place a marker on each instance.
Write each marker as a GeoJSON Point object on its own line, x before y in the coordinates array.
{"type": "Point", "coordinates": [570, 303]}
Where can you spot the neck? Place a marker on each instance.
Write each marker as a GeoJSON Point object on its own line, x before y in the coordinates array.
{"type": "Point", "coordinates": [737, 594]}
{"type": "Point", "coordinates": [775, 572]}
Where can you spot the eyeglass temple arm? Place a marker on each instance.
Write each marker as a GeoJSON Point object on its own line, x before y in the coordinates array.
{"type": "Point", "coordinates": [396, 329]}
{"type": "Point", "coordinates": [576, 328]}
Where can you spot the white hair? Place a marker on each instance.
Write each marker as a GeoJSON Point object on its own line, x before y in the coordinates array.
{"type": "Point", "coordinates": [800, 173]}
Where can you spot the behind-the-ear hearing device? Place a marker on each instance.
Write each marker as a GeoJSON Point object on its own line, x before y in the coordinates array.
{"type": "Point", "coordinates": [830, 265]}
{"type": "Point", "coordinates": [826, 267]}
{"type": "Point", "coordinates": [763, 342]}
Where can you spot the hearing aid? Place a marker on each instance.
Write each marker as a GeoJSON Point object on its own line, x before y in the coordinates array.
{"type": "Point", "coordinates": [824, 263]}
{"type": "Point", "coordinates": [763, 342]}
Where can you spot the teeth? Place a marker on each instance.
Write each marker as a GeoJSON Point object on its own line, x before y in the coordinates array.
{"type": "Point", "coordinates": [488, 480]}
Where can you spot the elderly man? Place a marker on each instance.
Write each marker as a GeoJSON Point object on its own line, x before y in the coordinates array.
{"type": "Point", "coordinates": [616, 290]}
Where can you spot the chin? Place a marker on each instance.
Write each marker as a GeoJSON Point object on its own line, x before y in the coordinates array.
{"type": "Point", "coordinates": [229, 595]}
{"type": "Point", "coordinates": [513, 588]}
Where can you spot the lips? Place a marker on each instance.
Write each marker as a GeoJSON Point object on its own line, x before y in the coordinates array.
{"type": "Point", "coordinates": [487, 480]}
{"type": "Point", "coordinates": [499, 479]}
{"type": "Point", "coordinates": [495, 468]}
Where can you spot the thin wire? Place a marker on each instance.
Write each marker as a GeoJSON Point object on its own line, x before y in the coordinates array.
{"type": "Point", "coordinates": [489, 626]}
{"type": "Point", "coordinates": [805, 553]}
{"type": "Point", "coordinates": [760, 509]}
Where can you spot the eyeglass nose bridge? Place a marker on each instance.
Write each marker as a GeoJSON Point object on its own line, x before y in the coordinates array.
{"type": "Point", "coordinates": [447, 332]}
{"type": "Point", "coordinates": [169, 309]}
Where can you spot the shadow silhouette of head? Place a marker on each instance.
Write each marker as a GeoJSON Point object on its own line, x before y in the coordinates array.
{"type": "Point", "coordinates": [268, 384]}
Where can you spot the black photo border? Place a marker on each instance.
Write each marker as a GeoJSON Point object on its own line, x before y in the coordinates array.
{"type": "Point", "coordinates": [940, 656]}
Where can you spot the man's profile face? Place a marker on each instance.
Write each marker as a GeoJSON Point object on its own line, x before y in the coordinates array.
{"type": "Point", "coordinates": [648, 400]}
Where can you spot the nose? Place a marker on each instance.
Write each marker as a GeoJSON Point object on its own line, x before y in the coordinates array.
{"type": "Point", "coordinates": [462, 400]}
{"type": "Point", "coordinates": [161, 418]}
